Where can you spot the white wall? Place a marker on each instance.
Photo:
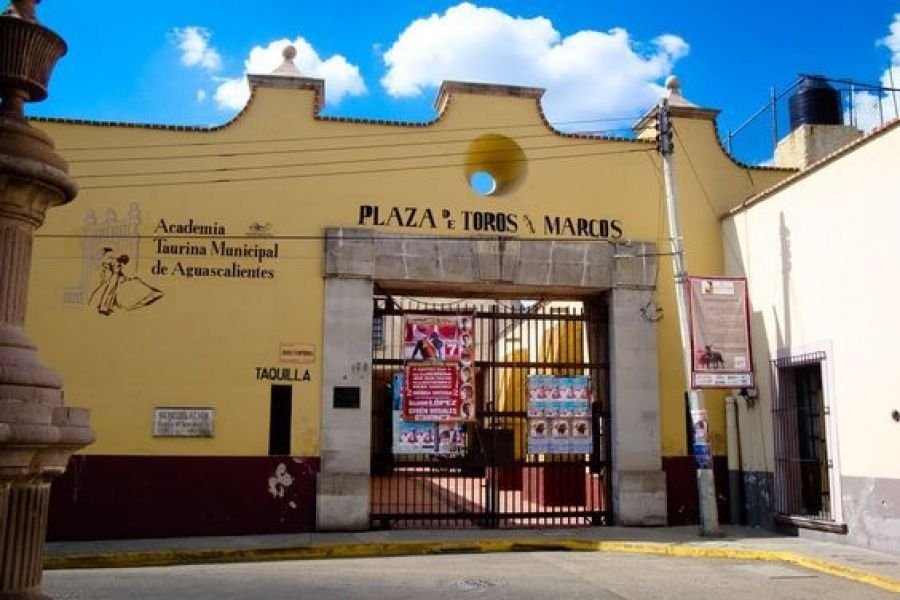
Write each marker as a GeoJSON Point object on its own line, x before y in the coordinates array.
{"type": "Point", "coordinates": [823, 260]}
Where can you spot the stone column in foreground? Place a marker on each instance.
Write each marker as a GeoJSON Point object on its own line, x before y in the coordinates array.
{"type": "Point", "coordinates": [38, 433]}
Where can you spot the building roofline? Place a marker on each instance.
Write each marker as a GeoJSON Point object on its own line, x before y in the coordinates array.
{"type": "Point", "coordinates": [444, 98]}
{"type": "Point", "coordinates": [819, 164]}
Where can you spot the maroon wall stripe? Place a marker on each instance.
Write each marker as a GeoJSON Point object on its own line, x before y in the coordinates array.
{"type": "Point", "coordinates": [110, 497]}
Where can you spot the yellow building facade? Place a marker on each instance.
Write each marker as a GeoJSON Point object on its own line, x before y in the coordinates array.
{"type": "Point", "coordinates": [209, 295]}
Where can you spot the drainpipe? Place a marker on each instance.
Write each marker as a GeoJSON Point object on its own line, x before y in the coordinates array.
{"type": "Point", "coordinates": [733, 440]}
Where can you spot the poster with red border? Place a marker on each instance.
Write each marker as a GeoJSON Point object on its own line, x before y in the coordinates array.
{"type": "Point", "coordinates": [720, 333]}
{"type": "Point", "coordinates": [439, 338]}
{"type": "Point", "coordinates": [431, 392]}
{"type": "Point", "coordinates": [440, 369]}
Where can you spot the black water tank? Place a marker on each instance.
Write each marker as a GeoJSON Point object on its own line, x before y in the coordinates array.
{"type": "Point", "coordinates": [815, 103]}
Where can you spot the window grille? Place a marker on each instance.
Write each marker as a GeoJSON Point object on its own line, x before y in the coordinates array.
{"type": "Point", "coordinates": [802, 466]}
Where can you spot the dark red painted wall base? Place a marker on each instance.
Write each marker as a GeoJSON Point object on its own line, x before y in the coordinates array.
{"type": "Point", "coordinates": [681, 492]}
{"type": "Point", "coordinates": [121, 497]}
{"type": "Point", "coordinates": [109, 497]}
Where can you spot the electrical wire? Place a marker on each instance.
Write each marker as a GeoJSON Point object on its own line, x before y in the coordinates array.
{"type": "Point", "coordinates": [321, 163]}
{"type": "Point", "coordinates": [113, 159]}
{"type": "Point", "coordinates": [340, 173]}
{"type": "Point", "coordinates": [734, 254]}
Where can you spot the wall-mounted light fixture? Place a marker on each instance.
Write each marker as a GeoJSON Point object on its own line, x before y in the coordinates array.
{"type": "Point", "coordinates": [750, 396]}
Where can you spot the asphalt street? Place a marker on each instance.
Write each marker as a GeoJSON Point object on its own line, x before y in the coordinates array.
{"type": "Point", "coordinates": [521, 575]}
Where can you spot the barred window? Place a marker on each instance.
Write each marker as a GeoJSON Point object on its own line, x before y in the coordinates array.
{"type": "Point", "coordinates": [802, 465]}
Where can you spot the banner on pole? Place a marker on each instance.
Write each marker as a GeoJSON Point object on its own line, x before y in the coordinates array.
{"type": "Point", "coordinates": [720, 333]}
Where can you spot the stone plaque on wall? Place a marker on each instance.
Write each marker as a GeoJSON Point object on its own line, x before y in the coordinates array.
{"type": "Point", "coordinates": [183, 422]}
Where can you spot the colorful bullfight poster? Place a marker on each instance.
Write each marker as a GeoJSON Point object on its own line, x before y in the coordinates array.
{"type": "Point", "coordinates": [439, 338]}
{"type": "Point", "coordinates": [423, 437]}
{"type": "Point", "coordinates": [439, 373]}
{"type": "Point", "coordinates": [559, 419]}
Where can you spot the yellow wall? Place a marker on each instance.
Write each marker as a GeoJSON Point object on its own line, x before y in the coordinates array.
{"type": "Point", "coordinates": [200, 344]}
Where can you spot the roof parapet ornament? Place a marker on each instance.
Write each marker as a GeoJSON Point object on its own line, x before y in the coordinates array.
{"type": "Point", "coordinates": [287, 68]}
{"type": "Point", "coordinates": [679, 106]}
{"type": "Point", "coordinates": [673, 84]}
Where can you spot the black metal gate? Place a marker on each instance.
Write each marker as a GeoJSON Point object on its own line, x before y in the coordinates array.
{"type": "Point", "coordinates": [494, 481]}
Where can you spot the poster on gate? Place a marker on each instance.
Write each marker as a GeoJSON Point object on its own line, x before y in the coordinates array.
{"type": "Point", "coordinates": [423, 437]}
{"type": "Point", "coordinates": [439, 338]}
{"type": "Point", "coordinates": [439, 382]}
{"type": "Point", "coordinates": [409, 437]}
{"type": "Point", "coordinates": [559, 414]}
{"type": "Point", "coordinates": [431, 392]}
{"type": "Point", "coordinates": [720, 333]}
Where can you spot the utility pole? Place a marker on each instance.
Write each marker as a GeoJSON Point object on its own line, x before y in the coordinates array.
{"type": "Point", "coordinates": [706, 485]}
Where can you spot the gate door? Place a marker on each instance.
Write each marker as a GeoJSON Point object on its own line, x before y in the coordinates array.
{"type": "Point", "coordinates": [509, 466]}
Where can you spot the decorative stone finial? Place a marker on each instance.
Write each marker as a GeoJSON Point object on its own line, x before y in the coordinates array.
{"type": "Point", "coordinates": [288, 68]}
{"type": "Point", "coordinates": [21, 9]}
{"type": "Point", "coordinates": [673, 84]}
{"type": "Point", "coordinates": [28, 53]}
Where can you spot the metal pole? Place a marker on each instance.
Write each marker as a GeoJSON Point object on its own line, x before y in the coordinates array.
{"type": "Point", "coordinates": [894, 90]}
{"type": "Point", "coordinates": [774, 119]}
{"type": "Point", "coordinates": [706, 486]}
{"type": "Point", "coordinates": [733, 440]}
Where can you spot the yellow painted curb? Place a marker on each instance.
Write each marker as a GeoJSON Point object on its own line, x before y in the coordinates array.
{"type": "Point", "coordinates": [368, 550]}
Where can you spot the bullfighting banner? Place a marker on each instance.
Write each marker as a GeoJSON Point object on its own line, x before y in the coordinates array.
{"type": "Point", "coordinates": [559, 415]}
{"type": "Point", "coordinates": [439, 372]}
{"type": "Point", "coordinates": [720, 333]}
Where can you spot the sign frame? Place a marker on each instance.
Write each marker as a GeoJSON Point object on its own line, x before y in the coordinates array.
{"type": "Point", "coordinates": [185, 431]}
{"type": "Point", "coordinates": [730, 343]}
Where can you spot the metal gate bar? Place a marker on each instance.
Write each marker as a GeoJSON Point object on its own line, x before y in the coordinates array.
{"type": "Point", "coordinates": [495, 482]}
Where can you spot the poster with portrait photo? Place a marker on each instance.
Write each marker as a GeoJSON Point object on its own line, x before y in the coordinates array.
{"type": "Point", "coordinates": [538, 436]}
{"type": "Point", "coordinates": [559, 410]}
{"type": "Point", "coordinates": [433, 346]}
{"type": "Point", "coordinates": [581, 441]}
{"type": "Point", "coordinates": [409, 437]}
{"type": "Point", "coordinates": [439, 338]}
{"type": "Point", "coordinates": [451, 438]}
{"type": "Point", "coordinates": [560, 435]}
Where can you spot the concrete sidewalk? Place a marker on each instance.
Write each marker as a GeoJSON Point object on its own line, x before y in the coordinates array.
{"type": "Point", "coordinates": [737, 543]}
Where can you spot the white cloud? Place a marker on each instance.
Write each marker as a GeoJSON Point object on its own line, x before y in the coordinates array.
{"type": "Point", "coordinates": [195, 49]}
{"type": "Point", "coordinates": [341, 77]}
{"type": "Point", "coordinates": [892, 41]}
{"type": "Point", "coordinates": [870, 109]}
{"type": "Point", "coordinates": [201, 96]}
{"type": "Point", "coordinates": [587, 75]}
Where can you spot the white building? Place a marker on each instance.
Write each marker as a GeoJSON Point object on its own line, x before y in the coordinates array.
{"type": "Point", "coordinates": [821, 443]}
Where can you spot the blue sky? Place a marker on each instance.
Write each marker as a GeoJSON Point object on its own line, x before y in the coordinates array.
{"type": "Point", "coordinates": [182, 62]}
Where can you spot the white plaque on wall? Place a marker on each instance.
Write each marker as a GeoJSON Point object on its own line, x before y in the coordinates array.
{"type": "Point", "coordinates": [183, 422]}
